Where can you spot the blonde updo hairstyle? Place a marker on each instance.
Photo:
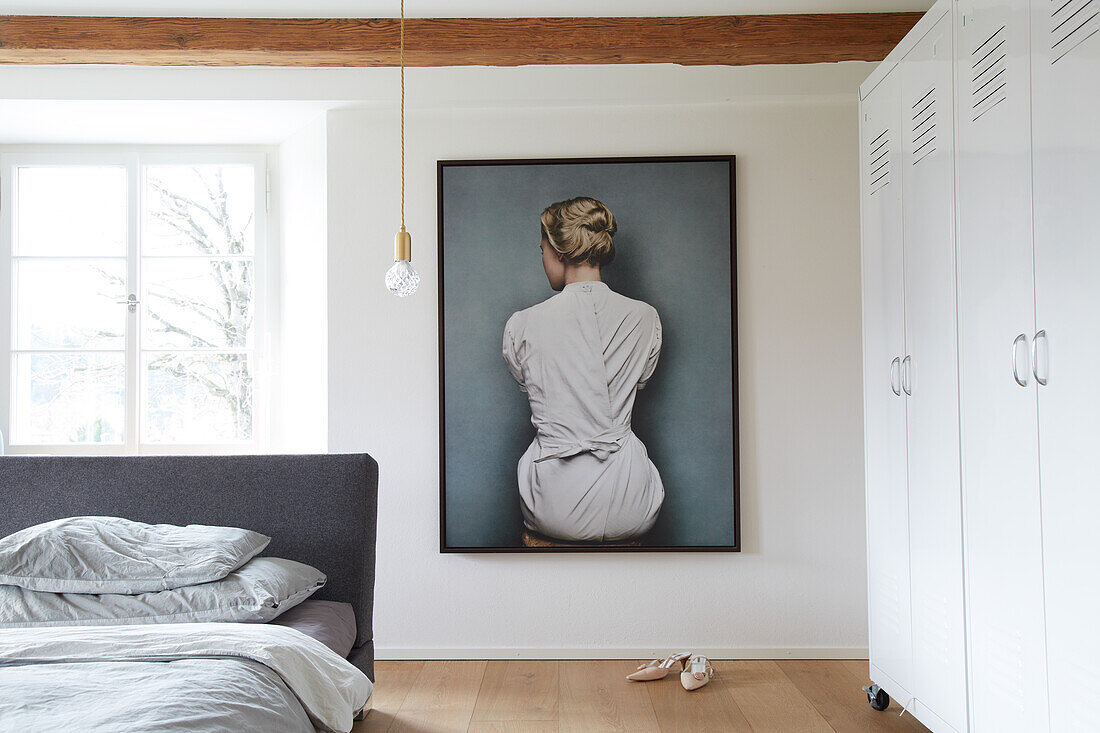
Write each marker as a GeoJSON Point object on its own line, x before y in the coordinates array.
{"type": "Point", "coordinates": [580, 230]}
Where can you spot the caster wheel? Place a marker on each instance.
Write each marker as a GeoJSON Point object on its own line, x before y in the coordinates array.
{"type": "Point", "coordinates": [877, 697]}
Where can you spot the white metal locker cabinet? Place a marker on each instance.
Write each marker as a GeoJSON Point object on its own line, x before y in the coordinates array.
{"type": "Point", "coordinates": [999, 422]}
{"type": "Point", "coordinates": [884, 406]}
{"type": "Point", "coordinates": [1065, 47]}
{"type": "Point", "coordinates": [930, 380]}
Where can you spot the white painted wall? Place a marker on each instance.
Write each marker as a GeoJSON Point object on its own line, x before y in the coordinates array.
{"type": "Point", "coordinates": [301, 394]}
{"type": "Point", "coordinates": [799, 584]}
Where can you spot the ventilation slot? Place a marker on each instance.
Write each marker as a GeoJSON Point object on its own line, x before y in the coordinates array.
{"type": "Point", "coordinates": [924, 126]}
{"type": "Point", "coordinates": [988, 74]}
{"type": "Point", "coordinates": [878, 168]}
{"type": "Point", "coordinates": [1072, 22]}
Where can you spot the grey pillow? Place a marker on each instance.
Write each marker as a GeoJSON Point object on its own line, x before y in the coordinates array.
{"type": "Point", "coordinates": [330, 622]}
{"type": "Point", "coordinates": [257, 592]}
{"type": "Point", "coordinates": [114, 555]}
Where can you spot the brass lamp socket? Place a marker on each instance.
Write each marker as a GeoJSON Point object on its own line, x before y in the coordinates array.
{"type": "Point", "coordinates": [402, 246]}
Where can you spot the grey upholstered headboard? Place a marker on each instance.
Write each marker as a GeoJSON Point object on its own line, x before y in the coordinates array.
{"type": "Point", "coordinates": [317, 509]}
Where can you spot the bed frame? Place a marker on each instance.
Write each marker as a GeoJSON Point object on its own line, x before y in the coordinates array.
{"type": "Point", "coordinates": [317, 509]}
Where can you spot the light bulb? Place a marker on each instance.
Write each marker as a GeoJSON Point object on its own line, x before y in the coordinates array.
{"type": "Point", "coordinates": [402, 279]}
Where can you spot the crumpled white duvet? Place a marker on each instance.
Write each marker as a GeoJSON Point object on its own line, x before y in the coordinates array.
{"type": "Point", "coordinates": [194, 677]}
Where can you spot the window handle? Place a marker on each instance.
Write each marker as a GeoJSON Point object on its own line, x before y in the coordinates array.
{"type": "Point", "coordinates": [1021, 339]}
{"type": "Point", "coordinates": [131, 303]}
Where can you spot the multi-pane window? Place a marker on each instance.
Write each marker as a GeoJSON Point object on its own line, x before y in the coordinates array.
{"type": "Point", "coordinates": [136, 301]}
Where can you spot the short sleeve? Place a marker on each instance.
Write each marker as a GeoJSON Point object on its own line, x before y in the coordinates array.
{"type": "Point", "coordinates": [654, 352]}
{"type": "Point", "coordinates": [511, 354]}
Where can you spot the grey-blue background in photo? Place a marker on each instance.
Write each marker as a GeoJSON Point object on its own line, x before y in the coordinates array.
{"type": "Point", "coordinates": [673, 251]}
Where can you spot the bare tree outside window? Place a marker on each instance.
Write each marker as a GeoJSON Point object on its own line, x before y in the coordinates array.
{"type": "Point", "coordinates": [199, 284]}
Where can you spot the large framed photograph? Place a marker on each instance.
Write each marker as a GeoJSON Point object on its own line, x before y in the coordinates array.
{"type": "Point", "coordinates": [588, 355]}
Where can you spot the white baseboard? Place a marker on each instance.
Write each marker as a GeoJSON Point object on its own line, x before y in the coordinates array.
{"type": "Point", "coordinates": [396, 653]}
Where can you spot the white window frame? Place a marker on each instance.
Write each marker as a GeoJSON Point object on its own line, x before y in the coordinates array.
{"type": "Point", "coordinates": [135, 159]}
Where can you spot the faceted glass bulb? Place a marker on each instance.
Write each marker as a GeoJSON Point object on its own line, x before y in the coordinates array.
{"type": "Point", "coordinates": [402, 279]}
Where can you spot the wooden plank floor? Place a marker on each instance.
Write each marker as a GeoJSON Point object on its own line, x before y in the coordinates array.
{"type": "Point", "coordinates": [788, 696]}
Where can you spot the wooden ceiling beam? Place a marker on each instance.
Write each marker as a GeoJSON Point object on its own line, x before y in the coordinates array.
{"type": "Point", "coordinates": [732, 40]}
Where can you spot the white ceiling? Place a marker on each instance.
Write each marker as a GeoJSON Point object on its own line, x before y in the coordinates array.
{"type": "Point", "coordinates": [450, 8]}
{"type": "Point", "coordinates": [96, 104]}
{"type": "Point", "coordinates": [441, 87]}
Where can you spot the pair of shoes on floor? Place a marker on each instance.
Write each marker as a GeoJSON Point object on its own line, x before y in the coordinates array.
{"type": "Point", "coordinates": [694, 671]}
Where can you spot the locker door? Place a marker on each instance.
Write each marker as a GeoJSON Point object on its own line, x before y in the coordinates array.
{"type": "Point", "coordinates": [999, 426]}
{"type": "Point", "coordinates": [884, 407]}
{"type": "Point", "coordinates": [931, 381]}
{"type": "Point", "coordinates": [1065, 48]}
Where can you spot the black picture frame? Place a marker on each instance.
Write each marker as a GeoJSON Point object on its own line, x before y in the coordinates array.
{"type": "Point", "coordinates": [444, 546]}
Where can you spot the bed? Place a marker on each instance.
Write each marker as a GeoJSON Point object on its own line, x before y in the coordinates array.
{"type": "Point", "coordinates": [317, 509]}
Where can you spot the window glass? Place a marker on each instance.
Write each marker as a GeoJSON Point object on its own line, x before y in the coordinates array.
{"type": "Point", "coordinates": [69, 304]}
{"type": "Point", "coordinates": [68, 398]}
{"type": "Point", "coordinates": [77, 211]}
{"type": "Point", "coordinates": [199, 210]}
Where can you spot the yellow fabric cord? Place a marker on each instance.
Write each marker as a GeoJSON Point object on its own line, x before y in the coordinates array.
{"type": "Point", "coordinates": [402, 114]}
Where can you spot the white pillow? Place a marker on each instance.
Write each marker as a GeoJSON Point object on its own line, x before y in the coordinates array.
{"type": "Point", "coordinates": [113, 555]}
{"type": "Point", "coordinates": [259, 591]}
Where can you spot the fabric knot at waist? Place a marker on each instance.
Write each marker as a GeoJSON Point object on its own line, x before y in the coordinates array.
{"type": "Point", "coordinates": [600, 445]}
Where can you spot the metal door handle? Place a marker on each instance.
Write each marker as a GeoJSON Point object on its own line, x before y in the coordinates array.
{"type": "Point", "coordinates": [1035, 357]}
{"type": "Point", "coordinates": [895, 376]}
{"type": "Point", "coordinates": [1022, 338]}
{"type": "Point", "coordinates": [906, 375]}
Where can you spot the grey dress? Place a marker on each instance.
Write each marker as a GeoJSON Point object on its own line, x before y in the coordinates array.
{"type": "Point", "coordinates": [581, 356]}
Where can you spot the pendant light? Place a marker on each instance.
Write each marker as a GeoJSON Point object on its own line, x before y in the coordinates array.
{"type": "Point", "coordinates": [402, 279]}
